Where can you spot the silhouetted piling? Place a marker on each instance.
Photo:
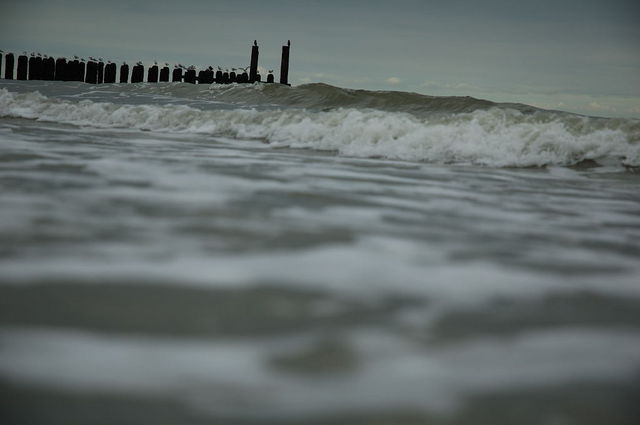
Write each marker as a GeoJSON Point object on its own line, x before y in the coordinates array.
{"type": "Point", "coordinates": [209, 75]}
{"type": "Point", "coordinates": [0, 60]}
{"type": "Point", "coordinates": [244, 77]}
{"type": "Point", "coordinates": [23, 65]}
{"type": "Point", "coordinates": [48, 69]}
{"type": "Point", "coordinates": [176, 76]}
{"type": "Point", "coordinates": [152, 74]}
{"type": "Point", "coordinates": [253, 70]}
{"type": "Point", "coordinates": [284, 64]}
{"type": "Point", "coordinates": [190, 76]}
{"type": "Point", "coordinates": [92, 73]}
{"type": "Point", "coordinates": [100, 72]}
{"type": "Point", "coordinates": [164, 74]}
{"type": "Point", "coordinates": [32, 69]}
{"type": "Point", "coordinates": [270, 78]}
{"type": "Point", "coordinates": [8, 66]}
{"type": "Point", "coordinates": [80, 69]}
{"type": "Point", "coordinates": [219, 77]}
{"type": "Point", "coordinates": [61, 65]}
{"type": "Point", "coordinates": [137, 74]}
{"type": "Point", "coordinates": [124, 73]}
{"type": "Point", "coordinates": [110, 73]}
{"type": "Point", "coordinates": [225, 78]}
{"type": "Point", "coordinates": [39, 68]}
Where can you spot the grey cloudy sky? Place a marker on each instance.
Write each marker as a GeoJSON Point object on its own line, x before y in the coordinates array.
{"type": "Point", "coordinates": [577, 55]}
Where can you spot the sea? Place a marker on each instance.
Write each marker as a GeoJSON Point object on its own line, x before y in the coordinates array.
{"type": "Point", "coordinates": [177, 254]}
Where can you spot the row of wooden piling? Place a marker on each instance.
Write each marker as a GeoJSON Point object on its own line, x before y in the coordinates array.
{"type": "Point", "coordinates": [37, 67]}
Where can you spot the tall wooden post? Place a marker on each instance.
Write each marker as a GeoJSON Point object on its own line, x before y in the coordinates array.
{"type": "Point", "coordinates": [284, 64]}
{"type": "Point", "coordinates": [253, 70]}
{"type": "Point", "coordinates": [8, 66]}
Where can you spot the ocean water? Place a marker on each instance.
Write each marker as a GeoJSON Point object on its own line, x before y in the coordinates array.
{"type": "Point", "coordinates": [181, 254]}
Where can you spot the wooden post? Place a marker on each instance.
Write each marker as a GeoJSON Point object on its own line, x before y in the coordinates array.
{"type": "Point", "coordinates": [190, 76]}
{"type": "Point", "coordinates": [61, 65]}
{"type": "Point", "coordinates": [219, 77]}
{"type": "Point", "coordinates": [48, 69]}
{"type": "Point", "coordinates": [270, 78]}
{"type": "Point", "coordinates": [8, 66]}
{"type": "Point", "coordinates": [100, 72]}
{"type": "Point", "coordinates": [176, 76]}
{"type": "Point", "coordinates": [137, 74]}
{"type": "Point", "coordinates": [92, 73]}
{"type": "Point", "coordinates": [164, 74]}
{"type": "Point", "coordinates": [39, 68]}
{"type": "Point", "coordinates": [80, 70]}
{"type": "Point", "coordinates": [284, 64]}
{"type": "Point", "coordinates": [0, 60]}
{"type": "Point", "coordinates": [110, 73]}
{"type": "Point", "coordinates": [23, 65]}
{"type": "Point", "coordinates": [124, 73]}
{"type": "Point", "coordinates": [71, 71]}
{"type": "Point", "coordinates": [152, 74]}
{"type": "Point", "coordinates": [253, 71]}
{"type": "Point", "coordinates": [32, 69]}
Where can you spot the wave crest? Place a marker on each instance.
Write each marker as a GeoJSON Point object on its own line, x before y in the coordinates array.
{"type": "Point", "coordinates": [494, 137]}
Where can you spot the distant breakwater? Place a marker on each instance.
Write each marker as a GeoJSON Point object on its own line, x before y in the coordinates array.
{"type": "Point", "coordinates": [98, 71]}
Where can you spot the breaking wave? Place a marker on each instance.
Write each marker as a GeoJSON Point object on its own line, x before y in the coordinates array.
{"type": "Point", "coordinates": [460, 130]}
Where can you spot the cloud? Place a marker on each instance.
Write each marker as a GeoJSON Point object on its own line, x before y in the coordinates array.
{"type": "Point", "coordinates": [393, 80]}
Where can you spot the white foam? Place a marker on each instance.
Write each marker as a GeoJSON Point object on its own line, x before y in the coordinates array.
{"type": "Point", "coordinates": [234, 377]}
{"type": "Point", "coordinates": [494, 137]}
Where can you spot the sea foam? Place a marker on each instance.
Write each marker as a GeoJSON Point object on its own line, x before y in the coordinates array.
{"type": "Point", "coordinates": [497, 136]}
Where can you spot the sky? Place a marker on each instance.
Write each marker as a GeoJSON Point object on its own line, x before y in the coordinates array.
{"type": "Point", "coordinates": [577, 55]}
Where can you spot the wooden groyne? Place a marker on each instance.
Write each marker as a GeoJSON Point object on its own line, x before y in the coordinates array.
{"type": "Point", "coordinates": [97, 71]}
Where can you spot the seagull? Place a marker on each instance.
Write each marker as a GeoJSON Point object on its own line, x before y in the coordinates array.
{"type": "Point", "coordinates": [271, 71]}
